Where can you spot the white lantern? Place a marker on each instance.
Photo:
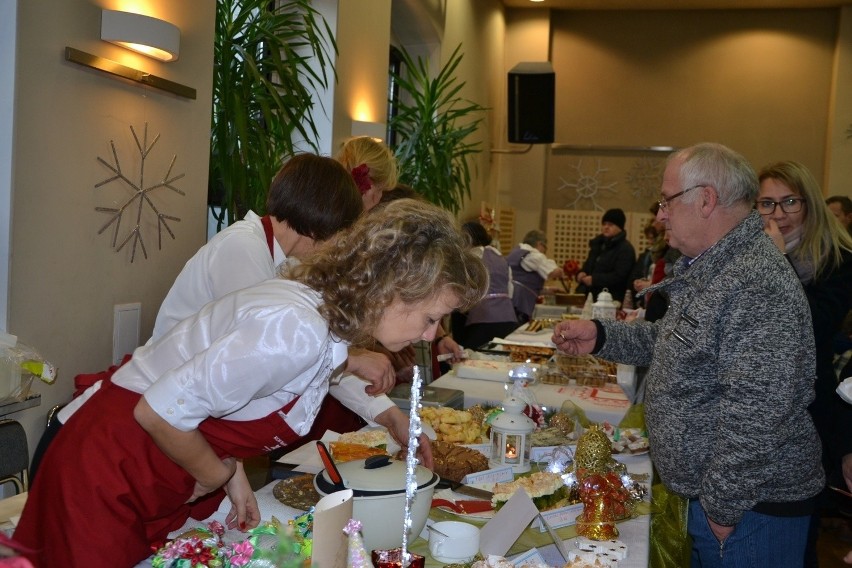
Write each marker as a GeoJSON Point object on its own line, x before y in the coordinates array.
{"type": "Point", "coordinates": [605, 307]}
{"type": "Point", "coordinates": [510, 432]}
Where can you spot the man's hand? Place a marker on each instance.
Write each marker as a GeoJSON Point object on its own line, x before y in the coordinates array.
{"type": "Point", "coordinates": [244, 512]}
{"type": "Point", "coordinates": [847, 470]}
{"type": "Point", "coordinates": [375, 368]}
{"type": "Point", "coordinates": [396, 422]}
{"type": "Point", "coordinates": [575, 337]}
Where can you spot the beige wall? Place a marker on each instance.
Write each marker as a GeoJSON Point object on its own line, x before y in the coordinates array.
{"type": "Point", "coordinates": [760, 84]}
{"type": "Point", "coordinates": [838, 166]}
{"type": "Point", "coordinates": [65, 278]}
{"type": "Point", "coordinates": [362, 65]}
{"type": "Point", "coordinates": [759, 81]}
{"type": "Point", "coordinates": [480, 28]}
{"type": "Point", "coordinates": [522, 175]}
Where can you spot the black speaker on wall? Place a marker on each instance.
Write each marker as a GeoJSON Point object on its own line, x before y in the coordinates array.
{"type": "Point", "coordinates": [532, 89]}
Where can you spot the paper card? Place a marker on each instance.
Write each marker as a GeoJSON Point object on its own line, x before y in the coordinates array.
{"type": "Point", "coordinates": [500, 533]}
{"type": "Point", "coordinates": [331, 514]}
{"type": "Point", "coordinates": [541, 453]}
{"type": "Point", "coordinates": [561, 517]}
{"type": "Point", "coordinates": [557, 540]}
{"type": "Point", "coordinates": [484, 449]}
{"type": "Point", "coordinates": [495, 475]}
{"type": "Point", "coordinates": [531, 556]}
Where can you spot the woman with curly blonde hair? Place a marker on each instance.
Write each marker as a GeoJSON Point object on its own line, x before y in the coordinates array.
{"type": "Point", "coordinates": [373, 166]}
{"type": "Point", "coordinates": [245, 375]}
{"type": "Point", "coordinates": [820, 251]}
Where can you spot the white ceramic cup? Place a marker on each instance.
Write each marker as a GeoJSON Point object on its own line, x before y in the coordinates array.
{"type": "Point", "coordinates": [453, 542]}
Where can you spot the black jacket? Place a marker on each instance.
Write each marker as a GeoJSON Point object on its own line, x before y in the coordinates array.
{"type": "Point", "coordinates": [610, 263]}
{"type": "Point", "coordinates": [830, 299]}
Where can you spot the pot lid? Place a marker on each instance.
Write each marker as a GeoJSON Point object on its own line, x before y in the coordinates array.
{"type": "Point", "coordinates": [386, 475]}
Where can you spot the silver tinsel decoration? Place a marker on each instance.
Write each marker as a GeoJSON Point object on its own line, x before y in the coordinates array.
{"type": "Point", "coordinates": [414, 431]}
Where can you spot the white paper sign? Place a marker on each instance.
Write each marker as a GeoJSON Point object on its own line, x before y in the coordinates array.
{"type": "Point", "coordinates": [496, 475]}
{"type": "Point", "coordinates": [541, 453]}
{"type": "Point", "coordinates": [561, 517]}
{"type": "Point", "coordinates": [531, 556]}
{"type": "Point", "coordinates": [500, 533]}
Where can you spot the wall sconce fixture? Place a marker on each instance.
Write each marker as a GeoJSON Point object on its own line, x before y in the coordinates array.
{"type": "Point", "coordinates": [375, 130]}
{"type": "Point", "coordinates": [146, 35]}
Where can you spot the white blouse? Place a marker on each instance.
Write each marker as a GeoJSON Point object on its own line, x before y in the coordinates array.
{"type": "Point", "coordinates": [241, 357]}
{"type": "Point", "coordinates": [235, 258]}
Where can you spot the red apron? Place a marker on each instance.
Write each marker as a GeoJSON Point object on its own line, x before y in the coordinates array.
{"type": "Point", "coordinates": [333, 415]}
{"type": "Point", "coordinates": [106, 492]}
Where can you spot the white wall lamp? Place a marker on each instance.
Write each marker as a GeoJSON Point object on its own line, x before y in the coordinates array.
{"type": "Point", "coordinates": [144, 34]}
{"type": "Point", "coordinates": [375, 130]}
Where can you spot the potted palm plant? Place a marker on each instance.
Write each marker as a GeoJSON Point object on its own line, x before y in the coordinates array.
{"type": "Point", "coordinates": [268, 59]}
{"type": "Point", "coordinates": [432, 126]}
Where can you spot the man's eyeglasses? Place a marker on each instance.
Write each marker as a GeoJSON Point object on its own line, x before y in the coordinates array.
{"type": "Point", "coordinates": [789, 205]}
{"type": "Point", "coordinates": [664, 201]}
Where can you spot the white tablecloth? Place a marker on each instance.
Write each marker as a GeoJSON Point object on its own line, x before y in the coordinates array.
{"type": "Point", "coordinates": [607, 403]}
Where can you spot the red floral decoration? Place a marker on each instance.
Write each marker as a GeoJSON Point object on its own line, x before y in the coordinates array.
{"type": "Point", "coordinates": [361, 174]}
{"type": "Point", "coordinates": [570, 268]}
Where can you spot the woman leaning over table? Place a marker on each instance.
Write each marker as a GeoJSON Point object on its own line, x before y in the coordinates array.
{"type": "Point", "coordinates": [820, 251]}
{"type": "Point", "coordinates": [245, 375]}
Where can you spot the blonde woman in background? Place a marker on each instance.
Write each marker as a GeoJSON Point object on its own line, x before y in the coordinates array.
{"type": "Point", "coordinates": [373, 166]}
{"type": "Point", "coordinates": [820, 251]}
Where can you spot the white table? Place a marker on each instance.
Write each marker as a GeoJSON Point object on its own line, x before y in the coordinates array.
{"type": "Point", "coordinates": [608, 404]}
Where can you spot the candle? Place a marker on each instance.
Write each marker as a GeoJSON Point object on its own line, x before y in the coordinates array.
{"type": "Point", "coordinates": [511, 452]}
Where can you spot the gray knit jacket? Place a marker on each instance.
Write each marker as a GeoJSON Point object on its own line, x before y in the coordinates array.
{"type": "Point", "coordinates": [731, 375]}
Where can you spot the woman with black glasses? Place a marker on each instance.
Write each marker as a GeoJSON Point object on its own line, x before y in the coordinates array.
{"type": "Point", "coordinates": [820, 250]}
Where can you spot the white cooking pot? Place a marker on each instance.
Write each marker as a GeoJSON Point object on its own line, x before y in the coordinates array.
{"type": "Point", "coordinates": [379, 501]}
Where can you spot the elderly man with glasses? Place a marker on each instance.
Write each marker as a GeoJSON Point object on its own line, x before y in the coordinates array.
{"type": "Point", "coordinates": [731, 372]}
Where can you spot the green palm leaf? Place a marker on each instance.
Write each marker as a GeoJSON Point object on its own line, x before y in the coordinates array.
{"type": "Point", "coordinates": [263, 79]}
{"type": "Point", "coordinates": [432, 126]}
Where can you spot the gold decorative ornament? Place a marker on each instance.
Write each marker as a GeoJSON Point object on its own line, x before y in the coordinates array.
{"type": "Point", "coordinates": [594, 451]}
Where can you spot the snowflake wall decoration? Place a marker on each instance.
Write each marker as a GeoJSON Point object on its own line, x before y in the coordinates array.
{"type": "Point", "coordinates": [140, 197]}
{"type": "Point", "coordinates": [587, 186]}
{"type": "Point", "coordinates": [645, 177]}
